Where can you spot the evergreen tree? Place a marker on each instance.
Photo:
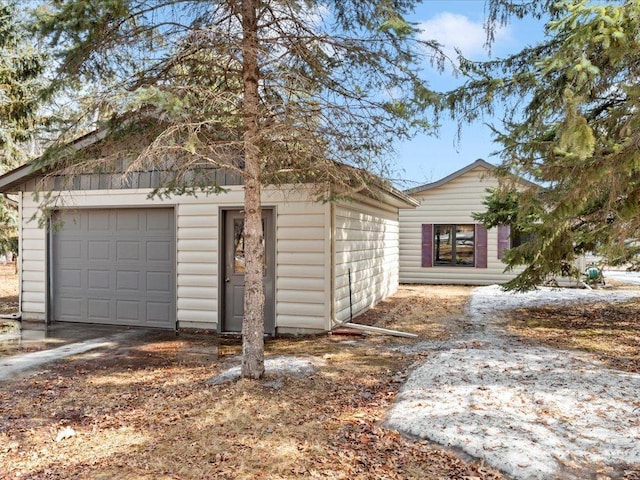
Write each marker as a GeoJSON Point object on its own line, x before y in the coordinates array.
{"type": "Point", "coordinates": [571, 125]}
{"type": "Point", "coordinates": [276, 90]}
{"type": "Point", "coordinates": [20, 69]}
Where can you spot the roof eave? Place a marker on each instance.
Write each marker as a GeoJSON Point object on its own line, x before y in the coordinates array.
{"type": "Point", "coordinates": [398, 199]}
{"type": "Point", "coordinates": [428, 186]}
{"type": "Point", "coordinates": [13, 178]}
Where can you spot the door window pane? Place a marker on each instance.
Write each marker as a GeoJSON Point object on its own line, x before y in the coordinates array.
{"type": "Point", "coordinates": [238, 246]}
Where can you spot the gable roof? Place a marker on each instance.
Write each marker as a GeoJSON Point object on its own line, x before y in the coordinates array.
{"type": "Point", "coordinates": [480, 163]}
{"type": "Point", "coordinates": [428, 186]}
{"type": "Point", "coordinates": [14, 178]}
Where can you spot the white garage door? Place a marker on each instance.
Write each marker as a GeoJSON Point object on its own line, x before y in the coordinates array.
{"type": "Point", "coordinates": [114, 266]}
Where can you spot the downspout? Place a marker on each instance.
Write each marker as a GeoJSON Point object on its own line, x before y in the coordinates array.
{"type": "Point", "coordinates": [48, 319]}
{"type": "Point", "coordinates": [20, 252]}
{"type": "Point", "coordinates": [350, 299]}
{"type": "Point", "coordinates": [332, 241]}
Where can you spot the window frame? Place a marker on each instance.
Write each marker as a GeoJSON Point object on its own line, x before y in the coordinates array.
{"type": "Point", "coordinates": [453, 229]}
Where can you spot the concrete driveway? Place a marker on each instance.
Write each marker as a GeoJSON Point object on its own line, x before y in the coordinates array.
{"type": "Point", "coordinates": [24, 348]}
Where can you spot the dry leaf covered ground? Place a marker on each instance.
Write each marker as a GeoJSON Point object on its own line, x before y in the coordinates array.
{"type": "Point", "coordinates": [146, 411]}
{"type": "Point", "coordinates": [611, 331]}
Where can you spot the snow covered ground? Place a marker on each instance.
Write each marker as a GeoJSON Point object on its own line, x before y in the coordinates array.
{"type": "Point", "coordinates": [532, 412]}
{"type": "Point", "coordinates": [623, 276]}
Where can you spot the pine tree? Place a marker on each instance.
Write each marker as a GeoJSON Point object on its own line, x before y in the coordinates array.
{"type": "Point", "coordinates": [571, 125]}
{"type": "Point", "coordinates": [20, 69]}
{"type": "Point", "coordinates": [276, 90]}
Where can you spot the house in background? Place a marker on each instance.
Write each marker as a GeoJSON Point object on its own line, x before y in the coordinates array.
{"type": "Point", "coordinates": [112, 255]}
{"type": "Point", "coordinates": [441, 243]}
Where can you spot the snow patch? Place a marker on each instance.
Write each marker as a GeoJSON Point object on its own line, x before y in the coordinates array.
{"type": "Point", "coordinates": [16, 364]}
{"type": "Point", "coordinates": [529, 411]}
{"type": "Point", "coordinates": [280, 365]}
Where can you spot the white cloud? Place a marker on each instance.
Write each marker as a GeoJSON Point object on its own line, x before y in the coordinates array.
{"type": "Point", "coordinates": [455, 30]}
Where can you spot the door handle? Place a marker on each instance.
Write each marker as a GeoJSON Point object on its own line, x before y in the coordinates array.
{"type": "Point", "coordinates": [227, 279]}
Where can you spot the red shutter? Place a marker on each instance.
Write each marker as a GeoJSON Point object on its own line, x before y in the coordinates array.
{"type": "Point", "coordinates": [481, 246]}
{"type": "Point", "coordinates": [504, 232]}
{"type": "Point", "coordinates": [427, 245]}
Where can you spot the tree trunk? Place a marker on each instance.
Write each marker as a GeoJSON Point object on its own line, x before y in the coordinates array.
{"type": "Point", "coordinates": [253, 323]}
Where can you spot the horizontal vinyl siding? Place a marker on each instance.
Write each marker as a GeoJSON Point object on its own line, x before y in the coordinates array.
{"type": "Point", "coordinates": [33, 283]}
{"type": "Point", "coordinates": [302, 273]}
{"type": "Point", "coordinates": [303, 249]}
{"type": "Point", "coordinates": [197, 264]}
{"type": "Point", "coordinates": [451, 203]}
{"type": "Point", "coordinates": [366, 245]}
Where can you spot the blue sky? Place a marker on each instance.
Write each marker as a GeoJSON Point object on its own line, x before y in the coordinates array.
{"type": "Point", "coordinates": [457, 23]}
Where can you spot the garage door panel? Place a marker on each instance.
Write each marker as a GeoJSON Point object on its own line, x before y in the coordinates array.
{"type": "Point", "coordinates": [159, 221]}
{"type": "Point", "coordinates": [128, 310]}
{"type": "Point", "coordinates": [71, 278]}
{"type": "Point", "coordinates": [71, 250]}
{"type": "Point", "coordinates": [72, 223]}
{"type": "Point", "coordinates": [128, 280]}
{"type": "Point", "coordinates": [98, 279]}
{"type": "Point", "coordinates": [158, 251]}
{"type": "Point", "coordinates": [99, 309]}
{"type": "Point", "coordinates": [115, 267]}
{"type": "Point", "coordinates": [158, 312]}
{"type": "Point", "coordinates": [72, 307]}
{"type": "Point", "coordinates": [97, 221]}
{"type": "Point", "coordinates": [127, 250]}
{"type": "Point", "coordinates": [158, 282]}
{"type": "Point", "coordinates": [98, 249]}
{"type": "Point", "coordinates": [127, 223]}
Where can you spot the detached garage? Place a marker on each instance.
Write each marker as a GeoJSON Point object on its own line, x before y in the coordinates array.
{"type": "Point", "coordinates": [110, 254]}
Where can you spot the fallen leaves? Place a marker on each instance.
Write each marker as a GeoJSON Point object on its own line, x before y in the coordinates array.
{"type": "Point", "coordinates": [428, 311]}
{"type": "Point", "coordinates": [609, 330]}
{"type": "Point", "coordinates": [8, 289]}
{"type": "Point", "coordinates": [145, 411]}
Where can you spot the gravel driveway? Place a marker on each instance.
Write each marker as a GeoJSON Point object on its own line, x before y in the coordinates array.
{"type": "Point", "coordinates": [532, 412]}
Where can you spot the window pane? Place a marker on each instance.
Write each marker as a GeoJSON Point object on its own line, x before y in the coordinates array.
{"type": "Point", "coordinates": [464, 245]}
{"type": "Point", "coordinates": [519, 238]}
{"type": "Point", "coordinates": [442, 245]}
{"type": "Point", "coordinates": [238, 245]}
